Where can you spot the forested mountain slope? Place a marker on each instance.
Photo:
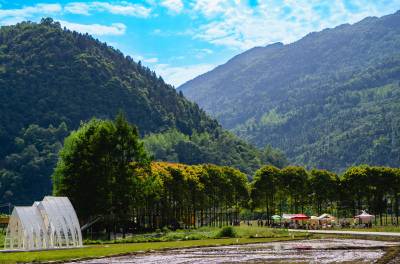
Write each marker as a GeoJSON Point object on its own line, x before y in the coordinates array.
{"type": "Point", "coordinates": [51, 79]}
{"type": "Point", "coordinates": [329, 100]}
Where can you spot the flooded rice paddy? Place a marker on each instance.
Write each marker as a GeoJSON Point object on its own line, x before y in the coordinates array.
{"type": "Point", "coordinates": [305, 251]}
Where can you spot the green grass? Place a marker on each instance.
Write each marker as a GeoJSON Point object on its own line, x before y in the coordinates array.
{"type": "Point", "coordinates": [196, 234]}
{"type": "Point", "coordinates": [1, 240]}
{"type": "Point", "coordinates": [256, 231]}
{"type": "Point", "coordinates": [374, 229]}
{"type": "Point", "coordinates": [390, 255]}
{"type": "Point", "coordinates": [347, 236]}
{"type": "Point", "coordinates": [243, 231]}
{"type": "Point", "coordinates": [96, 251]}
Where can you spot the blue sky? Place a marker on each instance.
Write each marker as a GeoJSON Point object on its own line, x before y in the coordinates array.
{"type": "Point", "coordinates": [181, 39]}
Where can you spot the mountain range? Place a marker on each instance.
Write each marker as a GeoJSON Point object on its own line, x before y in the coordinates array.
{"type": "Point", "coordinates": [329, 100]}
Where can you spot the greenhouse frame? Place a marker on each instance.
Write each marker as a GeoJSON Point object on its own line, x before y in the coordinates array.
{"type": "Point", "coordinates": [51, 223]}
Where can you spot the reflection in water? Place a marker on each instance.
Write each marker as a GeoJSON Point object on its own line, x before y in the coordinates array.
{"type": "Point", "coordinates": [306, 251]}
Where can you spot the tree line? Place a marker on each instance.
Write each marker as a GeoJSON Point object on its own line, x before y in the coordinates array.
{"type": "Point", "coordinates": [106, 172]}
{"type": "Point", "coordinates": [293, 189]}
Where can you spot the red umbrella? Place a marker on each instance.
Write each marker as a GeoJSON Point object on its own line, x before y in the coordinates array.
{"type": "Point", "coordinates": [299, 217]}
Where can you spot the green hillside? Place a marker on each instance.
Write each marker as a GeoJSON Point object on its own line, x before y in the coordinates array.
{"type": "Point", "coordinates": [52, 79]}
{"type": "Point", "coordinates": [329, 100]}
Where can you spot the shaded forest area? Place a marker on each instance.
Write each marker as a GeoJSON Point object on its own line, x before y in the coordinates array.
{"type": "Point", "coordinates": [52, 79]}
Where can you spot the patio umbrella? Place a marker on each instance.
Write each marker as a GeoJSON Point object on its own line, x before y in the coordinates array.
{"type": "Point", "coordinates": [364, 216]}
{"type": "Point", "coordinates": [299, 217]}
{"type": "Point", "coordinates": [276, 217]}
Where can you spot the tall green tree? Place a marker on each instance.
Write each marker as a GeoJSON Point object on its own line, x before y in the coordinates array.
{"type": "Point", "coordinates": [323, 188]}
{"type": "Point", "coordinates": [264, 188]}
{"type": "Point", "coordinates": [128, 159]}
{"type": "Point", "coordinates": [354, 188]}
{"type": "Point", "coordinates": [99, 168]}
{"type": "Point", "coordinates": [294, 182]}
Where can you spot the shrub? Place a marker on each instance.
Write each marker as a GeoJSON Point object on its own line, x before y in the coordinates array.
{"type": "Point", "coordinates": [165, 229]}
{"type": "Point", "coordinates": [227, 231]}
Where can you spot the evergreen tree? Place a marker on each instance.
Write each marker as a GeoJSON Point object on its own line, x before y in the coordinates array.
{"type": "Point", "coordinates": [99, 168]}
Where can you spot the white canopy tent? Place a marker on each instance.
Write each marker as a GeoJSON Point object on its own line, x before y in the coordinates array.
{"type": "Point", "coordinates": [287, 216]}
{"type": "Point", "coordinates": [364, 217]}
{"type": "Point", "coordinates": [326, 216]}
{"type": "Point", "coordinates": [51, 223]}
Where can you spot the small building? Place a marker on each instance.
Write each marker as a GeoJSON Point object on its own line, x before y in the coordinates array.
{"type": "Point", "coordinates": [51, 223]}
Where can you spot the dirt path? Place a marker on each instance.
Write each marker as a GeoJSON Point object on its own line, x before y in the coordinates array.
{"type": "Point", "coordinates": [339, 232]}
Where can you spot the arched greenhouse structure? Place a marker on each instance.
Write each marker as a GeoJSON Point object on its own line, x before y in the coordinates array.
{"type": "Point", "coordinates": [51, 223]}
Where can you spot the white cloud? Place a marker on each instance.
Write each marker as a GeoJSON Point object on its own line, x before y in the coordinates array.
{"type": "Point", "coordinates": [11, 20]}
{"type": "Point", "coordinates": [172, 33]}
{"type": "Point", "coordinates": [34, 12]}
{"type": "Point", "coordinates": [124, 8]}
{"type": "Point", "coordinates": [156, 31]}
{"type": "Point", "coordinates": [150, 60]}
{"type": "Point", "coordinates": [177, 75]}
{"type": "Point", "coordinates": [210, 7]}
{"type": "Point", "coordinates": [201, 53]}
{"type": "Point", "coordinates": [119, 8]}
{"type": "Point", "coordinates": [12, 16]}
{"type": "Point", "coordinates": [95, 29]}
{"type": "Point", "coordinates": [77, 8]}
{"type": "Point", "coordinates": [175, 6]}
{"type": "Point", "coordinates": [237, 25]}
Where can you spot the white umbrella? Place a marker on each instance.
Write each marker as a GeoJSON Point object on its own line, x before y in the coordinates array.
{"type": "Point", "coordinates": [364, 215]}
{"type": "Point", "coordinates": [276, 217]}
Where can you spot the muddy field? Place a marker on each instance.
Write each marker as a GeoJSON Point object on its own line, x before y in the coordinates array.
{"type": "Point", "coordinates": [307, 251]}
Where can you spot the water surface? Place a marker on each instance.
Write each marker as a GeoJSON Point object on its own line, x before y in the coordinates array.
{"type": "Point", "coordinates": [305, 251]}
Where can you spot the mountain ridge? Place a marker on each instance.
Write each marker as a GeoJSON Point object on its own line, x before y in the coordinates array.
{"type": "Point", "coordinates": [283, 95]}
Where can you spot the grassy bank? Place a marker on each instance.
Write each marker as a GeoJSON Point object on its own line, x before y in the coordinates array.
{"type": "Point", "coordinates": [97, 251]}
{"type": "Point", "coordinates": [1, 240]}
{"type": "Point", "coordinates": [197, 234]}
{"type": "Point", "coordinates": [374, 229]}
{"type": "Point", "coordinates": [392, 255]}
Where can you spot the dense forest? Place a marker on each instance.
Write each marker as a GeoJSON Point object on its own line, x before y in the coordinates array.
{"type": "Point", "coordinates": [108, 175]}
{"type": "Point", "coordinates": [329, 100]}
{"type": "Point", "coordinates": [106, 172]}
{"type": "Point", "coordinates": [52, 79]}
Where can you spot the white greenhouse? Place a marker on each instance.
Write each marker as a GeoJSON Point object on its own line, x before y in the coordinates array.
{"type": "Point", "coordinates": [51, 223]}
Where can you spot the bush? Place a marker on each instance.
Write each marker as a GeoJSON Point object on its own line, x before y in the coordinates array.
{"type": "Point", "coordinates": [93, 242]}
{"type": "Point", "coordinates": [227, 231]}
{"type": "Point", "coordinates": [165, 229]}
